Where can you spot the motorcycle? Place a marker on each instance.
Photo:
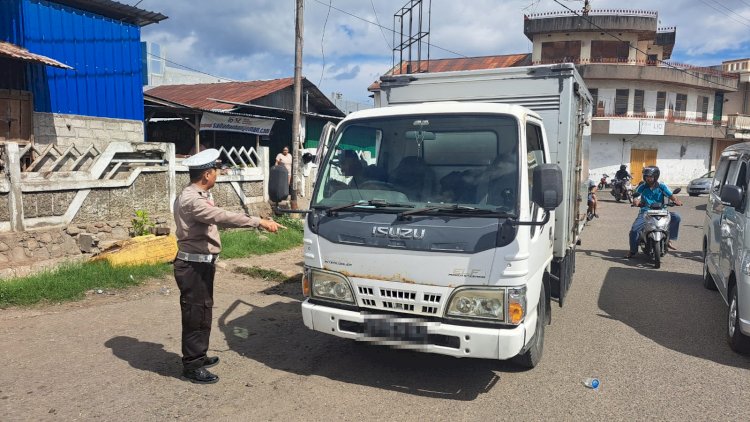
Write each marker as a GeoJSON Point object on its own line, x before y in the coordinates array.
{"type": "Point", "coordinates": [603, 182]}
{"type": "Point", "coordinates": [622, 190]}
{"type": "Point", "coordinates": [654, 235]}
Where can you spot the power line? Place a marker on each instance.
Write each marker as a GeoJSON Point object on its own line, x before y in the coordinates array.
{"type": "Point", "coordinates": [641, 51]}
{"type": "Point", "coordinates": [188, 68]}
{"type": "Point", "coordinates": [388, 29]}
{"type": "Point", "coordinates": [727, 14]}
{"type": "Point", "coordinates": [390, 47]}
{"type": "Point", "coordinates": [322, 36]}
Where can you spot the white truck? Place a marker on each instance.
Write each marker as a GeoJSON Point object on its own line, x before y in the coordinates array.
{"type": "Point", "coordinates": [446, 220]}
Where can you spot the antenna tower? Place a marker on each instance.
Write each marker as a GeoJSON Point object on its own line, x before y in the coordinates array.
{"type": "Point", "coordinates": [409, 21]}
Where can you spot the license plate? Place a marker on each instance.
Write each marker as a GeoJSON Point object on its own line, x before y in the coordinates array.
{"type": "Point", "coordinates": [394, 329]}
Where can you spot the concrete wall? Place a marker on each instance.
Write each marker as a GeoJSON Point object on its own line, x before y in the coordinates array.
{"type": "Point", "coordinates": [679, 159]}
{"type": "Point", "coordinates": [68, 129]}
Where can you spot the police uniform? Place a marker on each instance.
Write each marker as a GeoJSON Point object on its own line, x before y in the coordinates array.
{"type": "Point", "coordinates": [198, 242]}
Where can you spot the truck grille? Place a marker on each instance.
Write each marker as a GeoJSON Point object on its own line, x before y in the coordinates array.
{"type": "Point", "coordinates": [406, 300]}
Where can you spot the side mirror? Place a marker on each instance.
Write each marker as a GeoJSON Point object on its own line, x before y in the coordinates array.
{"type": "Point", "coordinates": [676, 191]}
{"type": "Point", "coordinates": [731, 195]}
{"type": "Point", "coordinates": [548, 186]}
{"type": "Point", "coordinates": [278, 183]}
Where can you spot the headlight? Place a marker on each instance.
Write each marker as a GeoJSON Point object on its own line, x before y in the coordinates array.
{"type": "Point", "coordinates": [478, 304]}
{"type": "Point", "coordinates": [330, 286]}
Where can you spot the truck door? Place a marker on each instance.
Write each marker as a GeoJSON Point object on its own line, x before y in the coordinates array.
{"type": "Point", "coordinates": [540, 243]}
{"type": "Point", "coordinates": [717, 239]}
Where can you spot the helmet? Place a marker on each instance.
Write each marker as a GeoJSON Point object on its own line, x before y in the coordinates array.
{"type": "Point", "coordinates": [591, 183]}
{"type": "Point", "coordinates": [623, 167]}
{"type": "Point", "coordinates": [651, 171]}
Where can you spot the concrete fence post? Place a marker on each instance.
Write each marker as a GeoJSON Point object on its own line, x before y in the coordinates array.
{"type": "Point", "coordinates": [264, 153]}
{"type": "Point", "coordinates": [15, 198]}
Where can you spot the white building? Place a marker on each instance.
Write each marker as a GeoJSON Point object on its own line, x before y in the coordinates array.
{"type": "Point", "coordinates": [649, 111]}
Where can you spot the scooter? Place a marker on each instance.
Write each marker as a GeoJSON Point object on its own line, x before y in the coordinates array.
{"type": "Point", "coordinates": [654, 236]}
{"type": "Point", "coordinates": [603, 182]}
{"type": "Point", "coordinates": [622, 190]}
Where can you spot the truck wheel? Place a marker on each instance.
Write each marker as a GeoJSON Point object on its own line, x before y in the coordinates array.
{"type": "Point", "coordinates": [708, 280]}
{"type": "Point", "coordinates": [739, 342]}
{"type": "Point", "coordinates": [533, 355]}
{"type": "Point", "coordinates": [656, 250]}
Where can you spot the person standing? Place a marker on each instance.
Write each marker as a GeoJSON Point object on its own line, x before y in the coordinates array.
{"type": "Point", "coordinates": [285, 158]}
{"type": "Point", "coordinates": [198, 243]}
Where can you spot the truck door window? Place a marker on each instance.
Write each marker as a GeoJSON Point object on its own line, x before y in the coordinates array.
{"type": "Point", "coordinates": [721, 175]}
{"type": "Point", "coordinates": [534, 157]}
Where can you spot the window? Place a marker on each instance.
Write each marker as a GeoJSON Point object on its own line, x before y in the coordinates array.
{"type": "Point", "coordinates": [621, 102]}
{"type": "Point", "coordinates": [638, 104]}
{"type": "Point", "coordinates": [595, 101]}
{"type": "Point", "coordinates": [561, 51]}
{"type": "Point", "coordinates": [652, 59]}
{"type": "Point", "coordinates": [721, 175]}
{"type": "Point", "coordinates": [661, 99]}
{"type": "Point", "coordinates": [534, 157]}
{"type": "Point", "coordinates": [610, 51]}
{"type": "Point", "coordinates": [703, 107]}
{"type": "Point", "coordinates": [680, 108]}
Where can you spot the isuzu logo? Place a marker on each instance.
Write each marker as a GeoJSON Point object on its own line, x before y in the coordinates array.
{"type": "Point", "coordinates": [398, 233]}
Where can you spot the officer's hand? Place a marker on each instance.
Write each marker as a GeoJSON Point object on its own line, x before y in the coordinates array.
{"type": "Point", "coordinates": [270, 225]}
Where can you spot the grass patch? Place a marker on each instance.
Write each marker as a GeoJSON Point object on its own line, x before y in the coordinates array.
{"type": "Point", "coordinates": [72, 281]}
{"type": "Point", "coordinates": [242, 243]}
{"type": "Point", "coordinates": [265, 274]}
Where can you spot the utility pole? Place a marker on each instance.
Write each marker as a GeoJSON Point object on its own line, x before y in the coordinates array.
{"type": "Point", "coordinates": [298, 34]}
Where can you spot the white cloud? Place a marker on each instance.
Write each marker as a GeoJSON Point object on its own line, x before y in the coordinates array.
{"type": "Point", "coordinates": [249, 40]}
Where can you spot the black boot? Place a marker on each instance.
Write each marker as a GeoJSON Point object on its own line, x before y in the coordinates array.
{"type": "Point", "coordinates": [200, 376]}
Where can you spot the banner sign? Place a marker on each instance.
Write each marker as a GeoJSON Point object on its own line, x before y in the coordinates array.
{"type": "Point", "coordinates": [636, 127]}
{"type": "Point", "coordinates": [229, 123]}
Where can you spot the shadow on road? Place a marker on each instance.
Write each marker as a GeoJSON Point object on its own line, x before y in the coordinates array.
{"type": "Point", "coordinates": [146, 356]}
{"type": "Point", "coordinates": [672, 309]}
{"type": "Point", "coordinates": [274, 335]}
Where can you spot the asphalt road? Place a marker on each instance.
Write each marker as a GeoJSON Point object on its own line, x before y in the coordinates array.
{"type": "Point", "coordinates": [655, 338]}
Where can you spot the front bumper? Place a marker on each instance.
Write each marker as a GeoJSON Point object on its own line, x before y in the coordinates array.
{"type": "Point", "coordinates": [698, 189]}
{"type": "Point", "coordinates": [449, 339]}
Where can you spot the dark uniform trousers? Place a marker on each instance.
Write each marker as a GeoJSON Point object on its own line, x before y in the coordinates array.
{"type": "Point", "coordinates": [196, 283]}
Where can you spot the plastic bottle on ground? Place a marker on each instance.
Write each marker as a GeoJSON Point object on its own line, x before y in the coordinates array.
{"type": "Point", "coordinates": [591, 383]}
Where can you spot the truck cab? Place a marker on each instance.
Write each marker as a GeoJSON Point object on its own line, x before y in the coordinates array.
{"type": "Point", "coordinates": [432, 228]}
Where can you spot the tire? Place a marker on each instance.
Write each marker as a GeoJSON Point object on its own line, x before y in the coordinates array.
{"type": "Point", "coordinates": [708, 280]}
{"type": "Point", "coordinates": [738, 342]}
{"type": "Point", "coordinates": [600, 186]}
{"type": "Point", "coordinates": [533, 354]}
{"type": "Point", "coordinates": [656, 250]}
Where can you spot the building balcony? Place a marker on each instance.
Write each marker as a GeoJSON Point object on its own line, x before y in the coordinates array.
{"type": "Point", "coordinates": [641, 22]}
{"type": "Point", "coordinates": [643, 124]}
{"type": "Point", "coordinates": [738, 126]}
{"type": "Point", "coordinates": [664, 72]}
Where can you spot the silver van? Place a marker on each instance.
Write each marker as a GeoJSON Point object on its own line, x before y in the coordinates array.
{"type": "Point", "coordinates": [726, 242]}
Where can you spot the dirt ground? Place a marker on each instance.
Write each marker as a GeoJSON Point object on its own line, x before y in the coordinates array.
{"type": "Point", "coordinates": [75, 361]}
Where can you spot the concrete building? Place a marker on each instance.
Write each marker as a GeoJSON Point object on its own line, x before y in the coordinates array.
{"type": "Point", "coordinates": [736, 114]}
{"type": "Point", "coordinates": [649, 111]}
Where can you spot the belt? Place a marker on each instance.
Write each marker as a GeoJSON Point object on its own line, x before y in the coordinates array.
{"type": "Point", "coordinates": [197, 257]}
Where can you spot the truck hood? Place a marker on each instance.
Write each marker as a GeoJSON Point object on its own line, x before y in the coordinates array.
{"type": "Point", "coordinates": [431, 250]}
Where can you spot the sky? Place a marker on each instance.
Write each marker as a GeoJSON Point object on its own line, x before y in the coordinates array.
{"type": "Point", "coordinates": [348, 43]}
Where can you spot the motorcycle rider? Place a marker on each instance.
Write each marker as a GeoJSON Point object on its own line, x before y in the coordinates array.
{"type": "Point", "coordinates": [652, 191]}
{"type": "Point", "coordinates": [623, 174]}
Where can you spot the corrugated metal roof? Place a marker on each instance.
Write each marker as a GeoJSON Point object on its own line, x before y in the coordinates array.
{"type": "Point", "coordinates": [465, 63]}
{"type": "Point", "coordinates": [115, 10]}
{"type": "Point", "coordinates": [15, 52]}
{"type": "Point", "coordinates": [197, 95]}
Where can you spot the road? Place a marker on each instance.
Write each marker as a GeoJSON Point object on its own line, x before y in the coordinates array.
{"type": "Point", "coordinates": [655, 338]}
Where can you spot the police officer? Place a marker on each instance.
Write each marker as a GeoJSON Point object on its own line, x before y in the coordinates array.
{"type": "Point", "coordinates": [199, 245]}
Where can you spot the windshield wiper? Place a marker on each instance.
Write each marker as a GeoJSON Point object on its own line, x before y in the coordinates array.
{"type": "Point", "coordinates": [376, 203]}
{"type": "Point", "coordinates": [455, 208]}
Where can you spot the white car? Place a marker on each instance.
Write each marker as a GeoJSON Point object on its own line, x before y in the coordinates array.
{"type": "Point", "coordinates": [726, 242]}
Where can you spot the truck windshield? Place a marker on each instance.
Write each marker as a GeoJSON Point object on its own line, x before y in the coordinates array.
{"type": "Point", "coordinates": [424, 160]}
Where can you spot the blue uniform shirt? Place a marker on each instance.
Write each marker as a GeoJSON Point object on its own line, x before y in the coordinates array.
{"type": "Point", "coordinates": [652, 195]}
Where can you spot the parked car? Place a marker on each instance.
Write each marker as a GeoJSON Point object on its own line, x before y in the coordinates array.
{"type": "Point", "coordinates": [701, 184]}
{"type": "Point", "coordinates": [726, 242]}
